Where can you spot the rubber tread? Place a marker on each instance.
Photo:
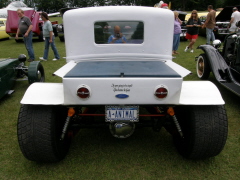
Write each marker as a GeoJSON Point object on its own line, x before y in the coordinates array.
{"type": "Point", "coordinates": [205, 132]}
{"type": "Point", "coordinates": [38, 133]}
{"type": "Point", "coordinates": [33, 69]}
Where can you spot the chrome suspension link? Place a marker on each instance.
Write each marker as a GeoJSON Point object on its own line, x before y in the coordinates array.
{"type": "Point", "coordinates": [177, 125]}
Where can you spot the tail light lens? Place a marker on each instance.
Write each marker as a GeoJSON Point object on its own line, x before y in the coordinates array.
{"type": "Point", "coordinates": [83, 92]}
{"type": "Point", "coordinates": [161, 92]}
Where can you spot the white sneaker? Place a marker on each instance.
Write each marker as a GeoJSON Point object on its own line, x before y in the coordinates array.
{"type": "Point", "coordinates": [191, 51]}
{"type": "Point", "coordinates": [55, 59]}
{"type": "Point", "coordinates": [41, 58]}
{"type": "Point", "coordinates": [186, 49]}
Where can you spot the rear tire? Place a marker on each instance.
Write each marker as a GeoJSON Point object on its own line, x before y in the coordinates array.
{"type": "Point", "coordinates": [39, 129]}
{"type": "Point", "coordinates": [204, 129]}
{"type": "Point", "coordinates": [203, 68]}
{"type": "Point", "coordinates": [40, 37]}
{"type": "Point", "coordinates": [18, 40]}
{"type": "Point", "coordinates": [55, 27]}
{"type": "Point", "coordinates": [36, 72]}
{"type": "Point", "coordinates": [62, 39]}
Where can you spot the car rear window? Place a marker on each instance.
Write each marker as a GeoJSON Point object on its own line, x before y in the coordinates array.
{"type": "Point", "coordinates": [121, 32]}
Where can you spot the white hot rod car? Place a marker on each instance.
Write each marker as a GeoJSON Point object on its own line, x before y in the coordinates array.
{"type": "Point", "coordinates": [120, 75]}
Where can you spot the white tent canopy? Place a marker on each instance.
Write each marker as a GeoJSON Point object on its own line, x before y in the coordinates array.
{"type": "Point", "coordinates": [13, 6]}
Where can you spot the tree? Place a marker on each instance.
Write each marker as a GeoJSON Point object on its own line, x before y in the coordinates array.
{"type": "Point", "coordinates": [3, 3]}
{"type": "Point", "coordinates": [55, 5]}
{"type": "Point", "coordinates": [30, 3]}
{"type": "Point", "coordinates": [231, 3]}
{"type": "Point", "coordinates": [49, 6]}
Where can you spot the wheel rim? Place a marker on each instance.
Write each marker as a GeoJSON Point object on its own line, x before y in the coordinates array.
{"type": "Point", "coordinates": [200, 67]}
{"type": "Point", "coordinates": [39, 76]}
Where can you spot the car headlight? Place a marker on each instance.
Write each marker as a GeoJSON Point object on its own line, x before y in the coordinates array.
{"type": "Point", "coordinates": [217, 43]}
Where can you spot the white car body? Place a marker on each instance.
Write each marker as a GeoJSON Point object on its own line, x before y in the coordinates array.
{"type": "Point", "coordinates": [120, 74]}
{"type": "Point", "coordinates": [157, 47]}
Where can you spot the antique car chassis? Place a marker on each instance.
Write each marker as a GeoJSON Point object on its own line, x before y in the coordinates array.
{"type": "Point", "coordinates": [12, 70]}
{"type": "Point", "coordinates": [224, 64]}
{"type": "Point", "coordinates": [121, 86]}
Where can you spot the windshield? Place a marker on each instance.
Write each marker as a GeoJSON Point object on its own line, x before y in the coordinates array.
{"type": "Point", "coordinates": [121, 32]}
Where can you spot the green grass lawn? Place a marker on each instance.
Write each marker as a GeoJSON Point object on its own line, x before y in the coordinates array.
{"type": "Point", "coordinates": [95, 154]}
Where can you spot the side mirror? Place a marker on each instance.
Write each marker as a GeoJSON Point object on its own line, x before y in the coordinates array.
{"type": "Point", "coordinates": [217, 43]}
{"type": "Point", "coordinates": [22, 58]}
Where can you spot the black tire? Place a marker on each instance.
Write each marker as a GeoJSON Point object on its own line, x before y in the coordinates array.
{"type": "Point", "coordinates": [183, 38]}
{"type": "Point", "coordinates": [39, 130]}
{"type": "Point", "coordinates": [55, 27]}
{"type": "Point", "coordinates": [36, 72]}
{"type": "Point", "coordinates": [19, 40]}
{"type": "Point", "coordinates": [40, 37]}
{"type": "Point", "coordinates": [204, 130]}
{"type": "Point", "coordinates": [202, 67]}
{"type": "Point", "coordinates": [62, 39]}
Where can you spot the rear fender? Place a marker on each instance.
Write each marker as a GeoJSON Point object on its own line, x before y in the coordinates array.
{"type": "Point", "coordinates": [216, 62]}
{"type": "Point", "coordinates": [192, 93]}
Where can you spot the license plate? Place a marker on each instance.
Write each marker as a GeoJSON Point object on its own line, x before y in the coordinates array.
{"type": "Point", "coordinates": [122, 113]}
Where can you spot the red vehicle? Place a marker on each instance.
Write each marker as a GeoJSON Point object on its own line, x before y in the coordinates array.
{"type": "Point", "coordinates": [12, 24]}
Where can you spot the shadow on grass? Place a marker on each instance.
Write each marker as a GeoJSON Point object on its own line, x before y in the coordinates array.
{"type": "Point", "coordinates": [95, 154]}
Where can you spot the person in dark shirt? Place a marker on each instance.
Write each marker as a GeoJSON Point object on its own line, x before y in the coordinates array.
{"type": "Point", "coordinates": [25, 28]}
{"type": "Point", "coordinates": [193, 25]}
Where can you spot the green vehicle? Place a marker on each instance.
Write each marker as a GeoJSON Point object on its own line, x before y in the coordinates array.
{"type": "Point", "coordinates": [12, 70]}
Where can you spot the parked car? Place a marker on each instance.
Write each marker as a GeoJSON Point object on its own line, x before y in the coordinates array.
{"type": "Point", "coordinates": [3, 34]}
{"type": "Point", "coordinates": [12, 70]}
{"type": "Point", "coordinates": [222, 22]}
{"type": "Point", "coordinates": [182, 16]}
{"type": "Point", "coordinates": [223, 63]}
{"type": "Point", "coordinates": [37, 22]}
{"type": "Point", "coordinates": [60, 27]}
{"type": "Point", "coordinates": [121, 86]}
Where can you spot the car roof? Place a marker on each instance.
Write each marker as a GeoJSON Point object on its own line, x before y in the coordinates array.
{"type": "Point", "coordinates": [79, 32]}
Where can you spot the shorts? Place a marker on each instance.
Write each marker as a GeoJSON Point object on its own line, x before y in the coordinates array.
{"type": "Point", "coordinates": [189, 36]}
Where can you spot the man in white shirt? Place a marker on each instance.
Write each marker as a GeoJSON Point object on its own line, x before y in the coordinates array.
{"type": "Point", "coordinates": [234, 18]}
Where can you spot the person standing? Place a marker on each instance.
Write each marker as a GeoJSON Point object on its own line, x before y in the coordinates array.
{"type": "Point", "coordinates": [209, 24]}
{"type": "Point", "coordinates": [49, 38]}
{"type": "Point", "coordinates": [235, 17]}
{"type": "Point", "coordinates": [193, 25]}
{"type": "Point", "coordinates": [25, 28]}
{"type": "Point", "coordinates": [176, 33]}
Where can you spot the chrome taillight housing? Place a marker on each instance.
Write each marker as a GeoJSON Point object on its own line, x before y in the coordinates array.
{"type": "Point", "coordinates": [83, 91]}
{"type": "Point", "coordinates": [161, 92]}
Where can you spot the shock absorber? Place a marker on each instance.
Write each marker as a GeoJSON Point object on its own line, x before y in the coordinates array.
{"type": "Point", "coordinates": [171, 112]}
{"type": "Point", "coordinates": [71, 112]}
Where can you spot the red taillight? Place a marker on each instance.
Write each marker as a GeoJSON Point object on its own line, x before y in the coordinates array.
{"type": "Point", "coordinates": [161, 92]}
{"type": "Point", "coordinates": [83, 92]}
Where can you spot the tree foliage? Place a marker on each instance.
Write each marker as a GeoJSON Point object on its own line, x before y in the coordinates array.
{"type": "Point", "coordinates": [55, 5]}
{"type": "Point", "coordinates": [3, 3]}
{"type": "Point", "coordinates": [231, 2]}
